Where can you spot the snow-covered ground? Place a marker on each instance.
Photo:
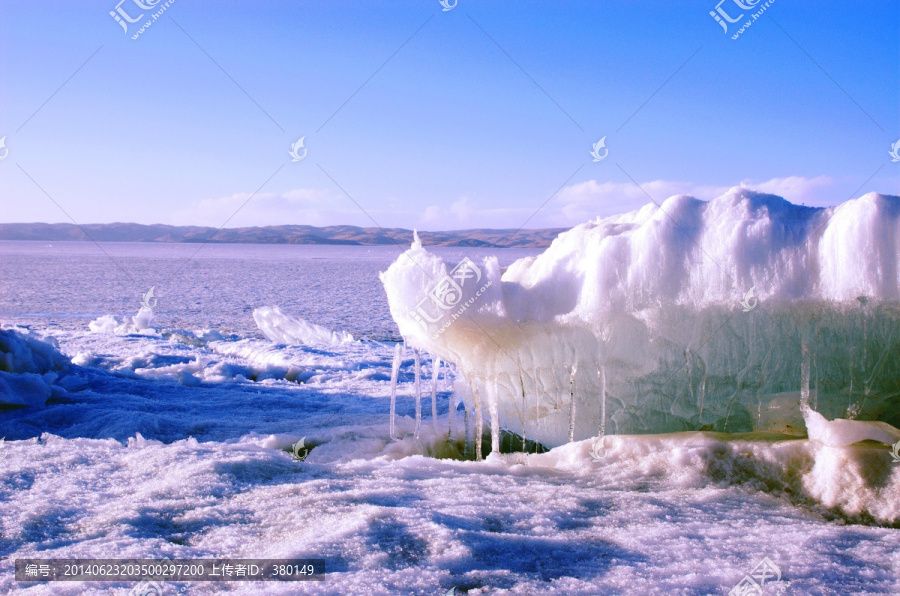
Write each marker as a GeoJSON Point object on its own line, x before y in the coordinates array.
{"type": "Point", "coordinates": [176, 443]}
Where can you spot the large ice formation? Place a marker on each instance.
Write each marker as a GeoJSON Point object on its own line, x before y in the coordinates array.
{"type": "Point", "coordinates": [720, 315]}
{"type": "Point", "coordinates": [29, 368]}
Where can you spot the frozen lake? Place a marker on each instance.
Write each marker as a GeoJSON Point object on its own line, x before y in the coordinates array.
{"type": "Point", "coordinates": [213, 286]}
{"type": "Point", "coordinates": [176, 444]}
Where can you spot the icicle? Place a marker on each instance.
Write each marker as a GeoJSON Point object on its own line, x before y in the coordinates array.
{"type": "Point", "coordinates": [816, 366]}
{"type": "Point", "coordinates": [537, 404]}
{"type": "Point", "coordinates": [804, 378]}
{"type": "Point", "coordinates": [467, 445]}
{"type": "Point", "coordinates": [850, 395]}
{"type": "Point", "coordinates": [758, 411]}
{"type": "Point", "coordinates": [759, 392]}
{"type": "Point", "coordinates": [690, 370]}
{"type": "Point", "coordinates": [435, 368]}
{"type": "Point", "coordinates": [451, 417]}
{"type": "Point", "coordinates": [395, 371]}
{"type": "Point", "coordinates": [602, 400]}
{"type": "Point", "coordinates": [702, 394]}
{"type": "Point", "coordinates": [524, 412]}
{"type": "Point", "coordinates": [451, 413]}
{"type": "Point", "coordinates": [418, 392]}
{"type": "Point", "coordinates": [495, 418]}
{"type": "Point", "coordinates": [479, 422]}
{"type": "Point", "coordinates": [572, 372]}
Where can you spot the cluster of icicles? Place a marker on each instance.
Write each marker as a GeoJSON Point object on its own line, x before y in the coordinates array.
{"type": "Point", "coordinates": [436, 368]}
{"type": "Point", "coordinates": [477, 411]}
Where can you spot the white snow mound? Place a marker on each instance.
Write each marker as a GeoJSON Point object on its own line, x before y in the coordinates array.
{"type": "Point", "coordinates": [284, 329]}
{"type": "Point", "coordinates": [841, 432]}
{"type": "Point", "coordinates": [141, 323]}
{"type": "Point", "coordinates": [29, 365]}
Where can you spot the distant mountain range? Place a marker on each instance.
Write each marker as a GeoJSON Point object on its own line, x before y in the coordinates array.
{"type": "Point", "coordinates": [351, 235]}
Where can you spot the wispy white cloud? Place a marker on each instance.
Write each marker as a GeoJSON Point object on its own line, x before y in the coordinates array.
{"type": "Point", "coordinates": [798, 189]}
{"type": "Point", "coordinates": [464, 214]}
{"type": "Point", "coordinates": [574, 204]}
{"type": "Point", "coordinates": [299, 206]}
{"type": "Point", "coordinates": [587, 200]}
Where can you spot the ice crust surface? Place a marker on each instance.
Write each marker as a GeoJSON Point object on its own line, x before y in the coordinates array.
{"type": "Point", "coordinates": [175, 442]}
{"type": "Point", "coordinates": [697, 314]}
{"type": "Point", "coordinates": [687, 513]}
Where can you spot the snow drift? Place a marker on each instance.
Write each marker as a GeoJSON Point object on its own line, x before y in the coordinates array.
{"type": "Point", "coordinates": [142, 323]}
{"type": "Point", "coordinates": [29, 367]}
{"type": "Point", "coordinates": [283, 329]}
{"type": "Point", "coordinates": [723, 315]}
{"type": "Point", "coordinates": [858, 483]}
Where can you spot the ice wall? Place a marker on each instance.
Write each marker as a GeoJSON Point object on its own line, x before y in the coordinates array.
{"type": "Point", "coordinates": [696, 313]}
{"type": "Point", "coordinates": [29, 368]}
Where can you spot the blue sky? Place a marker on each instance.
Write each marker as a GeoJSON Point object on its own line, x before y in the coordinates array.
{"type": "Point", "coordinates": [471, 117]}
